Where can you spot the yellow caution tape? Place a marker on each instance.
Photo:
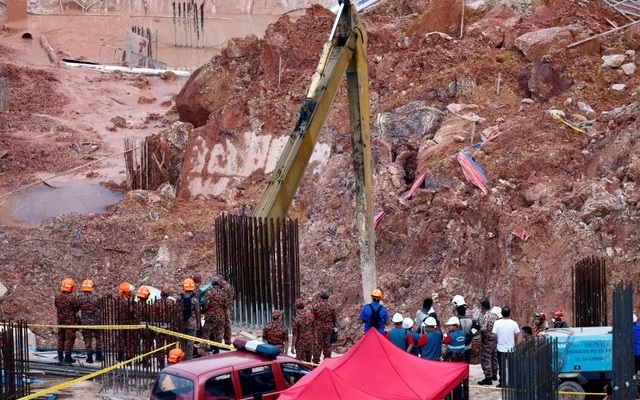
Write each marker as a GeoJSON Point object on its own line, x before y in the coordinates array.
{"type": "Point", "coordinates": [569, 124]}
{"type": "Point", "coordinates": [138, 326]}
{"type": "Point", "coordinates": [189, 337]}
{"type": "Point", "coordinates": [94, 374]}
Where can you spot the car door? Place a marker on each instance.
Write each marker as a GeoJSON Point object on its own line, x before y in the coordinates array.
{"type": "Point", "coordinates": [259, 380]}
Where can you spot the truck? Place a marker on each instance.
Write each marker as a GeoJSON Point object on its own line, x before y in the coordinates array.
{"type": "Point", "coordinates": [584, 361]}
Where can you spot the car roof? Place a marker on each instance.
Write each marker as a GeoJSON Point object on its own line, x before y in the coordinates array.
{"type": "Point", "coordinates": [238, 359]}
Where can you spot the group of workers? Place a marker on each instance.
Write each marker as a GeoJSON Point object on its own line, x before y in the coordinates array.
{"type": "Point", "coordinates": [426, 337]}
{"type": "Point", "coordinates": [313, 327]}
{"type": "Point", "coordinates": [212, 301]}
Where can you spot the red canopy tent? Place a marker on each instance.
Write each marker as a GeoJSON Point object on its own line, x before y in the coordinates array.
{"type": "Point", "coordinates": [374, 367]}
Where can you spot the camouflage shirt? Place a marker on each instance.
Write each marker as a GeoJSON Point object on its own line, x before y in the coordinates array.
{"type": "Point", "coordinates": [303, 327]}
{"type": "Point", "coordinates": [66, 308]}
{"type": "Point", "coordinates": [275, 333]}
{"type": "Point", "coordinates": [191, 311]}
{"type": "Point", "coordinates": [486, 324]}
{"type": "Point", "coordinates": [215, 304]}
{"type": "Point", "coordinates": [229, 292]}
{"type": "Point", "coordinates": [89, 308]}
{"type": "Point", "coordinates": [324, 315]}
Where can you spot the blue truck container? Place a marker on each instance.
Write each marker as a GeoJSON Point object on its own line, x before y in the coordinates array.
{"type": "Point", "coordinates": [584, 357]}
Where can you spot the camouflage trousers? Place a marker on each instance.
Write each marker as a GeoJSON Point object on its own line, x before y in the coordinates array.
{"type": "Point", "coordinates": [66, 339]}
{"type": "Point", "coordinates": [214, 330]}
{"type": "Point", "coordinates": [305, 351]}
{"type": "Point", "coordinates": [87, 336]}
{"type": "Point", "coordinates": [324, 344]}
{"type": "Point", "coordinates": [488, 358]}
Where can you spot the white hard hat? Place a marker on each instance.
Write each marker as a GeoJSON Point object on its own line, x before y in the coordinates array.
{"type": "Point", "coordinates": [635, 318]}
{"type": "Point", "coordinates": [458, 300]}
{"type": "Point", "coordinates": [430, 321]}
{"type": "Point", "coordinates": [497, 311]}
{"type": "Point", "coordinates": [397, 318]}
{"type": "Point", "coordinates": [453, 321]}
{"type": "Point", "coordinates": [407, 323]}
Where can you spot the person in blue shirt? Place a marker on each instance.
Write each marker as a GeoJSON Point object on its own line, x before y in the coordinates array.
{"type": "Point", "coordinates": [374, 314]}
{"type": "Point", "coordinates": [454, 340]}
{"type": "Point", "coordinates": [407, 323]}
{"type": "Point", "coordinates": [399, 335]}
{"type": "Point", "coordinates": [432, 349]}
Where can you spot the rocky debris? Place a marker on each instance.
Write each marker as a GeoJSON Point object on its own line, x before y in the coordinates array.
{"type": "Point", "coordinates": [613, 60]}
{"type": "Point", "coordinates": [628, 68]}
{"type": "Point", "coordinates": [544, 81]}
{"type": "Point", "coordinates": [574, 192]}
{"type": "Point", "coordinates": [534, 45]}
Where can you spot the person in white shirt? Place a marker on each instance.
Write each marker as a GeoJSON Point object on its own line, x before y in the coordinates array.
{"type": "Point", "coordinates": [506, 331]}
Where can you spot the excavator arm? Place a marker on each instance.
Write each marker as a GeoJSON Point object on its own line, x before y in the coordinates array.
{"type": "Point", "coordinates": [344, 53]}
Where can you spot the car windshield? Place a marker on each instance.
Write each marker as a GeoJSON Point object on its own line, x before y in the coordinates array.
{"type": "Point", "coordinates": [172, 387]}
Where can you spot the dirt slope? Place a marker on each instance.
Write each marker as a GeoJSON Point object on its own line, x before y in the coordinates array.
{"type": "Point", "coordinates": [575, 194]}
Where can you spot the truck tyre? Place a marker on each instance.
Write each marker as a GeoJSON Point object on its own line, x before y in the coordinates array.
{"type": "Point", "coordinates": [573, 387]}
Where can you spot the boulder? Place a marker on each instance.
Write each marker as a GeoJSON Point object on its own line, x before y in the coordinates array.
{"type": "Point", "coordinates": [415, 119]}
{"type": "Point", "coordinates": [492, 27]}
{"type": "Point", "coordinates": [628, 68]}
{"type": "Point", "coordinates": [208, 88]}
{"type": "Point", "coordinates": [542, 42]}
{"type": "Point", "coordinates": [546, 81]}
{"type": "Point", "coordinates": [612, 60]}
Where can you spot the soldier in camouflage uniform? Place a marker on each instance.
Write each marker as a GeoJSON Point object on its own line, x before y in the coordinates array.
{"type": "Point", "coordinates": [324, 316]}
{"type": "Point", "coordinates": [190, 313]}
{"type": "Point", "coordinates": [304, 333]}
{"type": "Point", "coordinates": [488, 343]}
{"type": "Point", "coordinates": [215, 312]}
{"type": "Point", "coordinates": [125, 315]}
{"type": "Point", "coordinates": [66, 309]}
{"type": "Point", "coordinates": [276, 333]}
{"type": "Point", "coordinates": [90, 315]}
{"type": "Point", "coordinates": [230, 294]}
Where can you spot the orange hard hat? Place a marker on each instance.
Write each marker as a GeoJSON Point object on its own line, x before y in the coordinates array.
{"type": "Point", "coordinates": [376, 294]}
{"type": "Point", "coordinates": [558, 314]}
{"type": "Point", "coordinates": [175, 356]}
{"type": "Point", "coordinates": [125, 288]}
{"type": "Point", "coordinates": [87, 285]}
{"type": "Point", "coordinates": [68, 285]}
{"type": "Point", "coordinates": [188, 285]}
{"type": "Point", "coordinates": [144, 292]}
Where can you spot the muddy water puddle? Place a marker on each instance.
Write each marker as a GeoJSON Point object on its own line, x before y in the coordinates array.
{"type": "Point", "coordinates": [97, 37]}
{"type": "Point", "coordinates": [34, 205]}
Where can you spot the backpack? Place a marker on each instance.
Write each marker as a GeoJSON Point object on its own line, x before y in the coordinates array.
{"type": "Point", "coordinates": [186, 307]}
{"type": "Point", "coordinates": [375, 317]}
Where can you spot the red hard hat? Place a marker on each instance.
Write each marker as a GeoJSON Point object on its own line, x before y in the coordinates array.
{"type": "Point", "coordinates": [558, 314]}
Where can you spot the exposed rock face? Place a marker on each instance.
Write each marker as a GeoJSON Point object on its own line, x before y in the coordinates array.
{"type": "Point", "coordinates": [570, 192]}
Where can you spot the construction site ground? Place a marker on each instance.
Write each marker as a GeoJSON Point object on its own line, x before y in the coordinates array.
{"type": "Point", "coordinates": [555, 196]}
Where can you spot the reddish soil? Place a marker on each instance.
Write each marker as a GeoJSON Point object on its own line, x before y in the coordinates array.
{"type": "Point", "coordinates": [575, 194]}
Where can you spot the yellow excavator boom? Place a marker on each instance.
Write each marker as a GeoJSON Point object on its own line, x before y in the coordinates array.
{"type": "Point", "coordinates": [344, 53]}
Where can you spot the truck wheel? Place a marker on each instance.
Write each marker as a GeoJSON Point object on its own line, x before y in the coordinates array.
{"type": "Point", "coordinates": [573, 387]}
